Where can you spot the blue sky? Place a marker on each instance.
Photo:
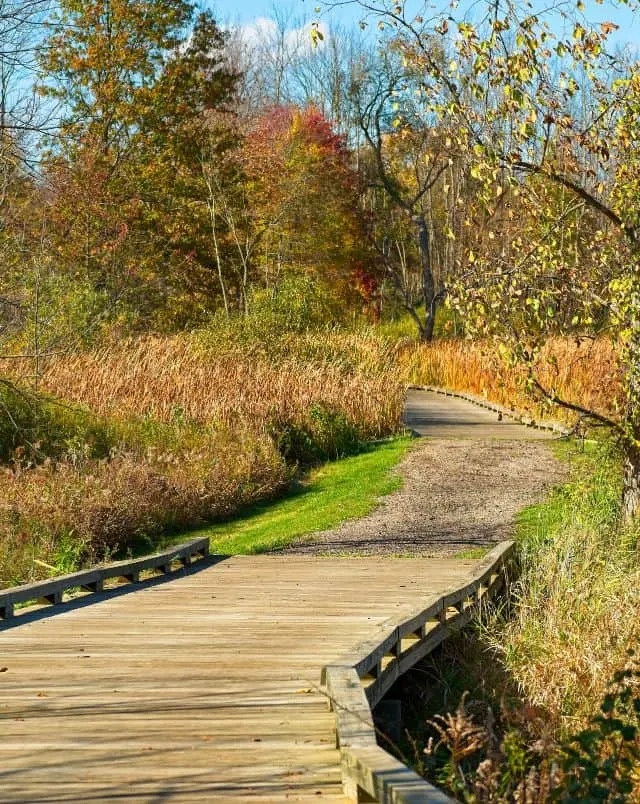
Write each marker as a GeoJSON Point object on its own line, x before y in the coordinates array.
{"type": "Point", "coordinates": [248, 10]}
{"type": "Point", "coordinates": [243, 11]}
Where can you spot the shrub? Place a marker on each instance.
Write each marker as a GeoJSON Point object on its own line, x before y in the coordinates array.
{"type": "Point", "coordinates": [324, 435]}
{"type": "Point", "coordinates": [481, 760]}
{"type": "Point", "coordinates": [67, 516]}
{"type": "Point", "coordinates": [34, 427]}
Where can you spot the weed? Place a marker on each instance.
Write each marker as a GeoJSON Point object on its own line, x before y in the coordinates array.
{"type": "Point", "coordinates": [513, 758]}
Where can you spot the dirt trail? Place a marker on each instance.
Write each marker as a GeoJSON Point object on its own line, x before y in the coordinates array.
{"type": "Point", "coordinates": [463, 485]}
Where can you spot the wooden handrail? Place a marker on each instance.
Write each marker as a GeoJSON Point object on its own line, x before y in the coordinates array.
{"type": "Point", "coordinates": [92, 580]}
{"type": "Point", "coordinates": [357, 682]}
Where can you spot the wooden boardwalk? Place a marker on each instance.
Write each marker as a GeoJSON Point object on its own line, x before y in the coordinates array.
{"type": "Point", "coordinates": [438, 416]}
{"type": "Point", "coordinates": [199, 688]}
{"type": "Point", "coordinates": [205, 687]}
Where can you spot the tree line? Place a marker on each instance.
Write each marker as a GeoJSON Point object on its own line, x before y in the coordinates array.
{"type": "Point", "coordinates": [158, 169]}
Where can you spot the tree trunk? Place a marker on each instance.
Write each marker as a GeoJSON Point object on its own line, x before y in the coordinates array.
{"type": "Point", "coordinates": [428, 282]}
{"type": "Point", "coordinates": [631, 485]}
{"type": "Point", "coordinates": [631, 480]}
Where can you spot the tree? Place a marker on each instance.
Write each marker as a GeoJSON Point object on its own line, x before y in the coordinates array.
{"type": "Point", "coordinates": [409, 159]}
{"type": "Point", "coordinates": [23, 241]}
{"type": "Point", "coordinates": [143, 86]}
{"type": "Point", "coordinates": [295, 209]}
{"type": "Point", "coordinates": [20, 114]}
{"type": "Point", "coordinates": [535, 102]}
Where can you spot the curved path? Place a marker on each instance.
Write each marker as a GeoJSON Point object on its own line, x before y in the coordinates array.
{"type": "Point", "coordinates": [434, 415]}
{"type": "Point", "coordinates": [200, 688]}
{"type": "Point", "coordinates": [463, 484]}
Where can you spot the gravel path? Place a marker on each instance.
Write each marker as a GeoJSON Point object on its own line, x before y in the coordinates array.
{"type": "Point", "coordinates": [458, 492]}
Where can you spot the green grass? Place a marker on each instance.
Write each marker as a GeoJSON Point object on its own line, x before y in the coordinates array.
{"type": "Point", "coordinates": [576, 601]}
{"type": "Point", "coordinates": [472, 552]}
{"type": "Point", "coordinates": [345, 489]}
{"type": "Point", "coordinates": [587, 501]}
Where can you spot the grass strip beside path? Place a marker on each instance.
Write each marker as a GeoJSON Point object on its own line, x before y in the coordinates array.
{"type": "Point", "coordinates": [346, 489]}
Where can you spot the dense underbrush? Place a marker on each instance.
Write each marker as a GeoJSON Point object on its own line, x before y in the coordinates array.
{"type": "Point", "coordinates": [151, 435]}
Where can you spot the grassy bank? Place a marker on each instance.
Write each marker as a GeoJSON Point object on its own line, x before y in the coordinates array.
{"type": "Point", "coordinates": [578, 598]}
{"type": "Point", "coordinates": [335, 492]}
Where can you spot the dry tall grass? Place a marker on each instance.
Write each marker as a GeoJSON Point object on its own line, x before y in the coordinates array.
{"type": "Point", "coordinates": [66, 514]}
{"type": "Point", "coordinates": [191, 429]}
{"type": "Point", "coordinates": [584, 372]}
{"type": "Point", "coordinates": [188, 378]}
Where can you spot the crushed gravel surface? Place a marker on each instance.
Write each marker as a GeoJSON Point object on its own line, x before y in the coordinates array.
{"type": "Point", "coordinates": [457, 494]}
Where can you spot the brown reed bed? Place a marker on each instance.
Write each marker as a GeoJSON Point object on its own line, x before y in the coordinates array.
{"type": "Point", "coordinates": [185, 377]}
{"type": "Point", "coordinates": [178, 432]}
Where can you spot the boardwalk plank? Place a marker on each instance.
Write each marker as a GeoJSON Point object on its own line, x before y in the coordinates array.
{"type": "Point", "coordinates": [201, 688]}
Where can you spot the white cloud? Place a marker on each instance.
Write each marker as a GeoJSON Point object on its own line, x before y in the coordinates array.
{"type": "Point", "coordinates": [260, 30]}
{"type": "Point", "coordinates": [265, 32]}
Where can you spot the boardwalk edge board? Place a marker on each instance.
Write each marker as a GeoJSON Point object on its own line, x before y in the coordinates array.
{"type": "Point", "coordinates": [52, 591]}
{"type": "Point", "coordinates": [357, 682]}
{"type": "Point", "coordinates": [521, 418]}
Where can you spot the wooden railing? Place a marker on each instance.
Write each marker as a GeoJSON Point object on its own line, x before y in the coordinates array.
{"type": "Point", "coordinates": [358, 681]}
{"type": "Point", "coordinates": [93, 580]}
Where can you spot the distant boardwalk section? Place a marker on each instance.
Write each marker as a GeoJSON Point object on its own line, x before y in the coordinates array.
{"type": "Point", "coordinates": [433, 414]}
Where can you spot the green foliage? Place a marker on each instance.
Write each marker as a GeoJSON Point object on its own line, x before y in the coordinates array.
{"type": "Point", "coordinates": [139, 83]}
{"type": "Point", "coordinates": [33, 428]}
{"type": "Point", "coordinates": [57, 313]}
{"type": "Point", "coordinates": [295, 306]}
{"type": "Point", "coordinates": [590, 502]}
{"type": "Point", "coordinates": [325, 435]}
{"type": "Point", "coordinates": [600, 763]}
{"type": "Point", "coordinates": [69, 553]}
